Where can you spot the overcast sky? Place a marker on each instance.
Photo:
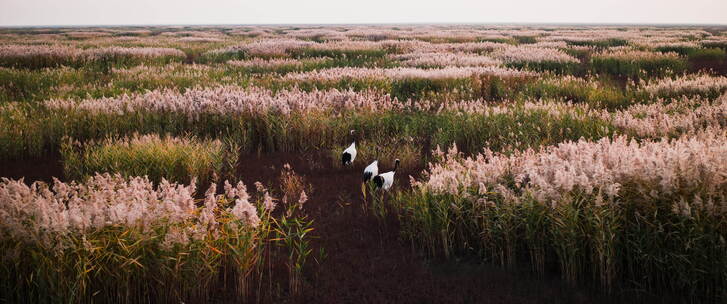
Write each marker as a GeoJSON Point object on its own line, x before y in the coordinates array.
{"type": "Point", "coordinates": [115, 12]}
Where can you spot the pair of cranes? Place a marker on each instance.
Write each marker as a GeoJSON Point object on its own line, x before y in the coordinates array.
{"type": "Point", "coordinates": [371, 172]}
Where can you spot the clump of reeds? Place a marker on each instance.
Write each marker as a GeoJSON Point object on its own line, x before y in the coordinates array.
{"type": "Point", "coordinates": [124, 240]}
{"type": "Point", "coordinates": [177, 159]}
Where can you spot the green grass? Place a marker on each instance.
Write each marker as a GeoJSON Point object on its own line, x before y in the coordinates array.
{"type": "Point", "coordinates": [581, 54]}
{"type": "Point", "coordinates": [494, 88]}
{"type": "Point", "coordinates": [403, 89]}
{"type": "Point", "coordinates": [598, 94]}
{"type": "Point", "coordinates": [498, 40]}
{"type": "Point", "coordinates": [612, 42]}
{"type": "Point", "coordinates": [518, 130]}
{"type": "Point", "coordinates": [31, 137]}
{"type": "Point", "coordinates": [559, 68]}
{"type": "Point", "coordinates": [23, 134]}
{"type": "Point", "coordinates": [174, 159]}
{"type": "Point", "coordinates": [681, 50]}
{"type": "Point", "coordinates": [101, 64]}
{"type": "Point", "coordinates": [422, 88]}
{"type": "Point", "coordinates": [709, 54]}
{"type": "Point", "coordinates": [636, 69]}
{"type": "Point", "coordinates": [310, 65]}
{"type": "Point", "coordinates": [24, 85]}
{"type": "Point", "coordinates": [525, 39]}
{"type": "Point", "coordinates": [698, 57]}
{"type": "Point", "coordinates": [340, 58]}
{"type": "Point", "coordinates": [487, 87]}
{"type": "Point", "coordinates": [337, 54]}
{"type": "Point", "coordinates": [207, 58]}
{"type": "Point", "coordinates": [716, 44]}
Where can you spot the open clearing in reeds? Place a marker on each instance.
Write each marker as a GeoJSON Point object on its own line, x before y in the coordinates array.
{"type": "Point", "coordinates": [537, 164]}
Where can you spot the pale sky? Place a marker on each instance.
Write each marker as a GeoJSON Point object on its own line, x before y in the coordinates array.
{"type": "Point", "coordinates": [152, 12]}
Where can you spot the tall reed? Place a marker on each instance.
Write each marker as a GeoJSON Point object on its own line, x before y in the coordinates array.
{"type": "Point", "coordinates": [615, 212]}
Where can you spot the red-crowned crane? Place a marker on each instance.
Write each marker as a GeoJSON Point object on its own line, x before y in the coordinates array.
{"type": "Point", "coordinates": [386, 180]}
{"type": "Point", "coordinates": [350, 153]}
{"type": "Point", "coordinates": [371, 171]}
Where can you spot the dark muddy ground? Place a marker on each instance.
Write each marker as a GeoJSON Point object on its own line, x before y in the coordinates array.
{"type": "Point", "coordinates": [41, 169]}
{"type": "Point", "coordinates": [365, 260]}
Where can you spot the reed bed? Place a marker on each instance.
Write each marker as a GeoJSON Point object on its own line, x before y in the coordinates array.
{"type": "Point", "coordinates": [637, 64]}
{"type": "Point", "coordinates": [292, 120]}
{"type": "Point", "coordinates": [23, 85]}
{"type": "Point", "coordinates": [538, 59]}
{"type": "Point", "coordinates": [403, 73]}
{"type": "Point", "coordinates": [266, 65]}
{"type": "Point", "coordinates": [670, 117]}
{"type": "Point", "coordinates": [126, 240]}
{"type": "Point", "coordinates": [286, 47]}
{"type": "Point", "coordinates": [595, 152]}
{"type": "Point", "coordinates": [614, 210]}
{"type": "Point", "coordinates": [411, 83]}
{"type": "Point", "coordinates": [41, 56]}
{"type": "Point", "coordinates": [231, 100]}
{"type": "Point", "coordinates": [438, 60]}
{"type": "Point", "coordinates": [690, 85]}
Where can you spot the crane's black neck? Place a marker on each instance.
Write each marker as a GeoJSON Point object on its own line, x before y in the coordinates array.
{"type": "Point", "coordinates": [396, 165]}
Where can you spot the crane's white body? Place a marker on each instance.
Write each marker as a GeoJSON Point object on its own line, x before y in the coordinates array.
{"type": "Point", "coordinates": [351, 150]}
{"type": "Point", "coordinates": [388, 180]}
{"type": "Point", "coordinates": [371, 171]}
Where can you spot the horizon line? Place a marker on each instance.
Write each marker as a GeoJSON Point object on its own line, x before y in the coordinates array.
{"type": "Point", "coordinates": [693, 24]}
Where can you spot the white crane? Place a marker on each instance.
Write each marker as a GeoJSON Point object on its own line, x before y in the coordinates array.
{"type": "Point", "coordinates": [386, 180]}
{"type": "Point", "coordinates": [350, 153]}
{"type": "Point", "coordinates": [371, 171]}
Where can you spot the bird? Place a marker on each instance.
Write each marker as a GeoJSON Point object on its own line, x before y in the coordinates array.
{"type": "Point", "coordinates": [371, 171]}
{"type": "Point", "coordinates": [350, 153]}
{"type": "Point", "coordinates": [385, 180]}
